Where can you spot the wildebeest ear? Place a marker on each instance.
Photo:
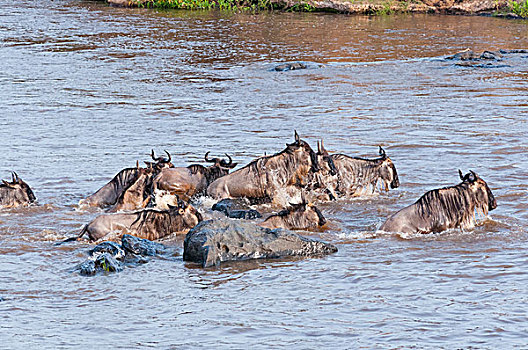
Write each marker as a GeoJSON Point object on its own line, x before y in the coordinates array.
{"type": "Point", "coordinates": [297, 138]}
{"type": "Point", "coordinates": [460, 174]}
{"type": "Point", "coordinates": [233, 165]}
{"type": "Point", "coordinates": [7, 184]}
{"type": "Point", "coordinates": [319, 148]}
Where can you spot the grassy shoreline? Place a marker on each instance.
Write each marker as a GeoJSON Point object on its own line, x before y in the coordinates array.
{"type": "Point", "coordinates": [501, 8]}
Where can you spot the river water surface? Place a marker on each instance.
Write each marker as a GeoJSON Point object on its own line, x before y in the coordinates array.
{"type": "Point", "coordinates": [87, 89]}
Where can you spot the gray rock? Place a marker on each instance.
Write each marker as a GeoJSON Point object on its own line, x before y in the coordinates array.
{"type": "Point", "coordinates": [107, 263]}
{"type": "Point", "coordinates": [87, 268]}
{"type": "Point", "coordinates": [238, 208]}
{"type": "Point", "coordinates": [111, 248]}
{"type": "Point", "coordinates": [140, 246]}
{"type": "Point", "coordinates": [290, 66]}
{"type": "Point", "coordinates": [214, 241]}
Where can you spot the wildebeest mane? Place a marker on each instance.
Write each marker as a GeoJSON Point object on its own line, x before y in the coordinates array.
{"type": "Point", "coordinates": [455, 205]}
{"type": "Point", "coordinates": [161, 220]}
{"type": "Point", "coordinates": [211, 173]}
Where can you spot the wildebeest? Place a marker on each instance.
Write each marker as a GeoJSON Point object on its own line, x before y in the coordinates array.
{"type": "Point", "coordinates": [300, 216]}
{"type": "Point", "coordinates": [354, 176]}
{"type": "Point", "coordinates": [138, 194]}
{"type": "Point", "coordinates": [187, 182]}
{"type": "Point", "coordinates": [444, 208]}
{"type": "Point", "coordinates": [262, 178]}
{"type": "Point", "coordinates": [15, 193]}
{"type": "Point", "coordinates": [160, 162]}
{"type": "Point", "coordinates": [149, 224]}
{"type": "Point", "coordinates": [113, 190]}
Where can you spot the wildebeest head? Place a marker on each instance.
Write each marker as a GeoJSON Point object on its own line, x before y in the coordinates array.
{"type": "Point", "coordinates": [300, 216]}
{"type": "Point", "coordinates": [302, 146]}
{"type": "Point", "coordinates": [223, 165]}
{"type": "Point", "coordinates": [324, 159]}
{"type": "Point", "coordinates": [160, 162]}
{"type": "Point", "coordinates": [479, 188]}
{"type": "Point", "coordinates": [387, 170]}
{"type": "Point", "coordinates": [19, 192]}
{"type": "Point", "coordinates": [190, 215]}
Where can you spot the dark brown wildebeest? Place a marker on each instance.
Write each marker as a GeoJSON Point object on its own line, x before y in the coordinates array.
{"type": "Point", "coordinates": [149, 224]}
{"type": "Point", "coordinates": [15, 193]}
{"type": "Point", "coordinates": [444, 208]}
{"type": "Point", "coordinates": [113, 190]}
{"type": "Point", "coordinates": [354, 176]}
{"type": "Point", "coordinates": [262, 178]}
{"type": "Point", "coordinates": [187, 182]}
{"type": "Point", "coordinates": [300, 216]}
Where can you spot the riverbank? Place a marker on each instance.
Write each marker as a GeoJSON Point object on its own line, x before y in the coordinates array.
{"type": "Point", "coordinates": [341, 6]}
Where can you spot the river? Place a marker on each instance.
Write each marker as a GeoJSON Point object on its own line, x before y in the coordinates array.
{"type": "Point", "coordinates": [87, 90]}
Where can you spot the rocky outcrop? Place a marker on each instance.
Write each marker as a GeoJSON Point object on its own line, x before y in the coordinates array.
{"type": "Point", "coordinates": [214, 241]}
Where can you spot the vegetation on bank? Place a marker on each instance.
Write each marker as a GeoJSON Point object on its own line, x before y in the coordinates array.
{"type": "Point", "coordinates": [503, 8]}
{"type": "Point", "coordinates": [232, 5]}
{"type": "Point", "coordinates": [519, 8]}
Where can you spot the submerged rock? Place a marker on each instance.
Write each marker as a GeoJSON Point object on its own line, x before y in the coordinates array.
{"type": "Point", "coordinates": [236, 208]}
{"type": "Point", "coordinates": [111, 248]}
{"type": "Point", "coordinates": [214, 241]}
{"type": "Point", "coordinates": [140, 246]}
{"type": "Point", "coordinates": [112, 257]}
{"type": "Point", "coordinates": [290, 66]}
{"type": "Point", "coordinates": [106, 262]}
{"type": "Point", "coordinates": [469, 55]}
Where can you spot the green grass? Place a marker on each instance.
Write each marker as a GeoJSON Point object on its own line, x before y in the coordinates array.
{"type": "Point", "coordinates": [519, 8]}
{"type": "Point", "coordinates": [232, 5]}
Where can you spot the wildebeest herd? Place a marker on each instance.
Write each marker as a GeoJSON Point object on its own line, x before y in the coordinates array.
{"type": "Point", "coordinates": [157, 200]}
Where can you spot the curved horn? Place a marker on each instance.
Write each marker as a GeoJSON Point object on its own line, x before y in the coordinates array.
{"type": "Point", "coordinates": [137, 164]}
{"type": "Point", "coordinates": [382, 152]}
{"type": "Point", "coordinates": [475, 176]}
{"type": "Point", "coordinates": [461, 175]}
{"type": "Point", "coordinates": [153, 155]}
{"type": "Point", "coordinates": [169, 157]}
{"type": "Point", "coordinates": [319, 148]}
{"type": "Point", "coordinates": [230, 160]}
{"type": "Point", "coordinates": [207, 158]}
{"type": "Point", "coordinates": [322, 146]}
{"type": "Point", "coordinates": [297, 138]}
{"type": "Point", "coordinates": [13, 178]}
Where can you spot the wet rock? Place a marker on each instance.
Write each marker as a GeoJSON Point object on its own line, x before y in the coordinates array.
{"type": "Point", "coordinates": [111, 248]}
{"type": "Point", "coordinates": [469, 55]}
{"type": "Point", "coordinates": [236, 208]}
{"type": "Point", "coordinates": [140, 246]}
{"type": "Point", "coordinates": [87, 268]}
{"type": "Point", "coordinates": [290, 66]}
{"type": "Point", "coordinates": [133, 259]}
{"type": "Point", "coordinates": [214, 241]}
{"type": "Point", "coordinates": [107, 263]}
{"type": "Point", "coordinates": [111, 257]}
{"type": "Point", "coordinates": [505, 52]}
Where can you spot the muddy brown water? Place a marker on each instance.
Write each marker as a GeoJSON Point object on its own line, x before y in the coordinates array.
{"type": "Point", "coordinates": [87, 90]}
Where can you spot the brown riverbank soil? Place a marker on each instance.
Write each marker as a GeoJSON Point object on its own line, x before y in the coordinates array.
{"type": "Point", "coordinates": [372, 6]}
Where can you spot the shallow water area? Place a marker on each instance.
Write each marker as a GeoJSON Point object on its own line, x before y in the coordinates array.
{"type": "Point", "coordinates": [88, 89]}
